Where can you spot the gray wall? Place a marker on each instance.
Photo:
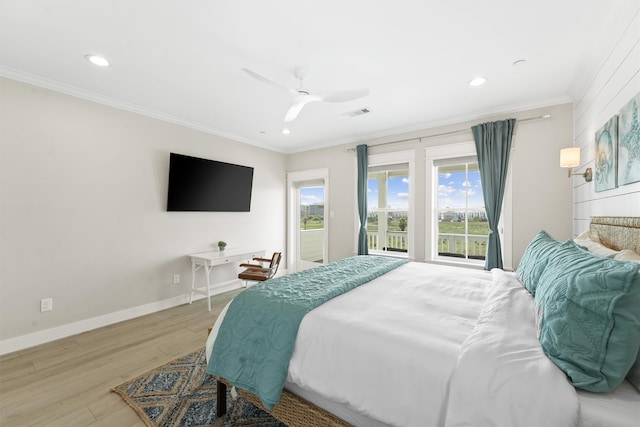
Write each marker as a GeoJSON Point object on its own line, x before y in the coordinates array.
{"type": "Point", "coordinates": [83, 210]}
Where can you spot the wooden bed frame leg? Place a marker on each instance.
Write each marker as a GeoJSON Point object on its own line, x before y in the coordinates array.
{"type": "Point", "coordinates": [221, 401]}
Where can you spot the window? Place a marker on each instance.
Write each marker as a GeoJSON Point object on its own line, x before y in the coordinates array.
{"type": "Point", "coordinates": [461, 222]}
{"type": "Point", "coordinates": [455, 208]}
{"type": "Point", "coordinates": [388, 208]}
{"type": "Point", "coordinates": [390, 194]}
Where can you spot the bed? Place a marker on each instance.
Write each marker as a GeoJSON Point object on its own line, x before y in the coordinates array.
{"type": "Point", "coordinates": [425, 344]}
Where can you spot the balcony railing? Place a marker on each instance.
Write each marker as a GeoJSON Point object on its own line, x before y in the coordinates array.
{"type": "Point", "coordinates": [396, 241]}
{"type": "Point", "coordinates": [311, 244]}
{"type": "Point", "coordinates": [454, 245]}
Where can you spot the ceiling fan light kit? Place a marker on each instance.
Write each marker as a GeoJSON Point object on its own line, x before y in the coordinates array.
{"type": "Point", "coordinates": [303, 97]}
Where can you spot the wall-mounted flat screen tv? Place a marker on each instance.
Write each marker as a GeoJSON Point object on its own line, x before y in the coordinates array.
{"type": "Point", "coordinates": [203, 185]}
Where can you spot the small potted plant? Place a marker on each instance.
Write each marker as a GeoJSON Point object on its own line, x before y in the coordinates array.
{"type": "Point", "coordinates": [221, 245]}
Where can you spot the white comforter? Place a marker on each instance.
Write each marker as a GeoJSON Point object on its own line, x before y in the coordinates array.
{"type": "Point", "coordinates": [408, 349]}
{"type": "Point", "coordinates": [502, 377]}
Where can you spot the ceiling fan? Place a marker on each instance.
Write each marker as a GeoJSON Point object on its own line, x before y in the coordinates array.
{"type": "Point", "coordinates": [303, 96]}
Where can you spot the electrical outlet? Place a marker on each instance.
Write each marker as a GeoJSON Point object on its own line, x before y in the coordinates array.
{"type": "Point", "coordinates": [46, 304]}
{"type": "Point", "coordinates": [176, 279]}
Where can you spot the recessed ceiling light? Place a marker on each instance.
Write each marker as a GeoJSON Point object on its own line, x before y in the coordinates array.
{"type": "Point", "coordinates": [98, 60]}
{"type": "Point", "coordinates": [286, 131]}
{"type": "Point", "coordinates": [478, 81]}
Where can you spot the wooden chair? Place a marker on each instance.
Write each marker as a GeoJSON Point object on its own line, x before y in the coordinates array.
{"type": "Point", "coordinates": [259, 272]}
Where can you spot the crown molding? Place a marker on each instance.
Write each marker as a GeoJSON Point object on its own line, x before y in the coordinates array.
{"type": "Point", "coordinates": [77, 92]}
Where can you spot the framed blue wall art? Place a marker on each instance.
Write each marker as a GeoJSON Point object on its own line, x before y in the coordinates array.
{"type": "Point", "coordinates": [606, 155]}
{"type": "Point", "coordinates": [629, 142]}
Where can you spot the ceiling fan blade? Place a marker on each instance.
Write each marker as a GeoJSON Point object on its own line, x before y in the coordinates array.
{"type": "Point", "coordinates": [344, 95]}
{"type": "Point", "coordinates": [267, 81]}
{"type": "Point", "coordinates": [298, 103]}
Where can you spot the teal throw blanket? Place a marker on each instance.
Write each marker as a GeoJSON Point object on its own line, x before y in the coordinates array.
{"type": "Point", "coordinates": [256, 338]}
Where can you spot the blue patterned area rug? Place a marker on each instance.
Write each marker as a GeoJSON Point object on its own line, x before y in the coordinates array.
{"type": "Point", "coordinates": [181, 393]}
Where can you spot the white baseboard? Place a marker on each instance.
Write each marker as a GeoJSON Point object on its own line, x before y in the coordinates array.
{"type": "Point", "coordinates": [41, 337]}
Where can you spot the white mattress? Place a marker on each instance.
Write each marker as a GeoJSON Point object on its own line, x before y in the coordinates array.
{"type": "Point", "coordinates": [383, 353]}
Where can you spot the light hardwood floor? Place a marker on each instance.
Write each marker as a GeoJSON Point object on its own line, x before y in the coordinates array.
{"type": "Point", "coordinates": [68, 382]}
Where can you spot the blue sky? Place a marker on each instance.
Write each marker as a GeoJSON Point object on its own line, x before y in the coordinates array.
{"type": "Point", "coordinates": [397, 193]}
{"type": "Point", "coordinates": [311, 195]}
{"type": "Point", "coordinates": [452, 188]}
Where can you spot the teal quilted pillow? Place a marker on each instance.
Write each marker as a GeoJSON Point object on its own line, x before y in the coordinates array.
{"type": "Point", "coordinates": [535, 259]}
{"type": "Point", "coordinates": [590, 316]}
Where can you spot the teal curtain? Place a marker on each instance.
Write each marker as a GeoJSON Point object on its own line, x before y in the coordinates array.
{"type": "Point", "coordinates": [363, 165]}
{"type": "Point", "coordinates": [493, 145]}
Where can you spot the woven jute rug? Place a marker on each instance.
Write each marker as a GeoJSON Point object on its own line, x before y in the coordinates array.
{"type": "Point", "coordinates": [181, 393]}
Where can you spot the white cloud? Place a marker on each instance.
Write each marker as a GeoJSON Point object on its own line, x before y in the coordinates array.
{"type": "Point", "coordinates": [309, 199]}
{"type": "Point", "coordinates": [445, 190]}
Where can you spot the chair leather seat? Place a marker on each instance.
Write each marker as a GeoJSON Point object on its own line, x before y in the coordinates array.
{"type": "Point", "coordinates": [258, 275]}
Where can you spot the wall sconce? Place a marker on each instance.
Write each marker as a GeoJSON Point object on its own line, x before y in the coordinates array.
{"type": "Point", "coordinates": [570, 158]}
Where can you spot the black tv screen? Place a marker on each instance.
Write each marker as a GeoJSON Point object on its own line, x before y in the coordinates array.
{"type": "Point", "coordinates": [207, 185]}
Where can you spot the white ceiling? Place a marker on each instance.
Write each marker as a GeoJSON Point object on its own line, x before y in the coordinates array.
{"type": "Point", "coordinates": [182, 60]}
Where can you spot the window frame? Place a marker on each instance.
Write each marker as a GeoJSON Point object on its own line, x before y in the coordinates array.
{"type": "Point", "coordinates": [452, 151]}
{"type": "Point", "coordinates": [294, 180]}
{"type": "Point", "coordinates": [395, 158]}
{"type": "Point", "coordinates": [437, 209]}
{"type": "Point", "coordinates": [384, 174]}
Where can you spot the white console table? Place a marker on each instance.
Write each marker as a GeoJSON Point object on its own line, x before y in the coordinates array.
{"type": "Point", "coordinates": [208, 260]}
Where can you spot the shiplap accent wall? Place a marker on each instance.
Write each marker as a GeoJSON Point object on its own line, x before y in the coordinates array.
{"type": "Point", "coordinates": [615, 83]}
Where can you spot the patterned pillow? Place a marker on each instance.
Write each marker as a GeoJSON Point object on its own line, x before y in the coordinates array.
{"type": "Point", "coordinates": [535, 259]}
{"type": "Point", "coordinates": [590, 325]}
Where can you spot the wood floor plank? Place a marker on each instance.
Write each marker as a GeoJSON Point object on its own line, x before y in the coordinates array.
{"type": "Point", "coordinates": [106, 405]}
{"type": "Point", "coordinates": [79, 417]}
{"type": "Point", "coordinates": [124, 417]}
{"type": "Point", "coordinates": [14, 371]}
{"type": "Point", "coordinates": [68, 382]}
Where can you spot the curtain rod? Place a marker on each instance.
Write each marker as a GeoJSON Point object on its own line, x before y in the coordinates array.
{"type": "Point", "coordinates": [453, 132]}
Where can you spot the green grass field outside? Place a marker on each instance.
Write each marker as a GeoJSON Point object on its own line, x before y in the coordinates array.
{"type": "Point", "coordinates": [475, 227]}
